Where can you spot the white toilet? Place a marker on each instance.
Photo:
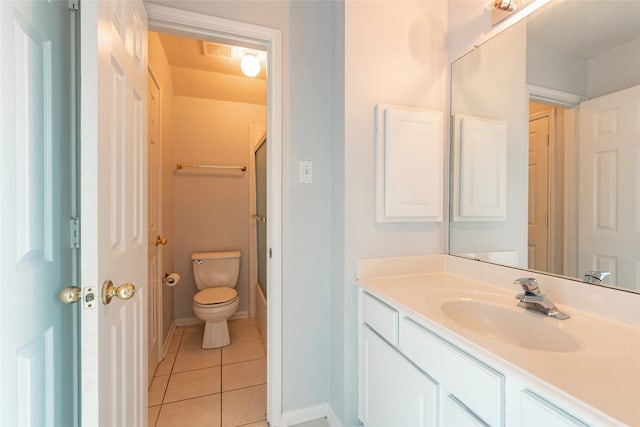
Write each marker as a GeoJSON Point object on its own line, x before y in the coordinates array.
{"type": "Point", "coordinates": [216, 276]}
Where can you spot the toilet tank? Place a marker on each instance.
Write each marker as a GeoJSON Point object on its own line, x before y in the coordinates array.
{"type": "Point", "coordinates": [215, 269]}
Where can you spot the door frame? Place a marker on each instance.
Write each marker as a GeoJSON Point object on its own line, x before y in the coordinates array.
{"type": "Point", "coordinates": [570, 102]}
{"type": "Point", "coordinates": [190, 24]}
{"type": "Point", "coordinates": [159, 251]}
{"type": "Point", "coordinates": [551, 178]}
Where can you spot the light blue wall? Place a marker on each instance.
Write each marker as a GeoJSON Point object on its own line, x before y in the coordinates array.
{"type": "Point", "coordinates": [307, 207]}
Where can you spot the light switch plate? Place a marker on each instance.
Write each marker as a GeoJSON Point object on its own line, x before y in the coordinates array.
{"type": "Point", "coordinates": [306, 171]}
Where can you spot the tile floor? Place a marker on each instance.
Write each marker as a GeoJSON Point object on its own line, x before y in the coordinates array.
{"type": "Point", "coordinates": [215, 388]}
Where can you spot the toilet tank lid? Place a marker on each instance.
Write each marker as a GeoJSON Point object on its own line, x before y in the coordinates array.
{"type": "Point", "coordinates": [215, 255]}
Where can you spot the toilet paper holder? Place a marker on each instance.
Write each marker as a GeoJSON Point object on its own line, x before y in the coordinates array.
{"type": "Point", "coordinates": [171, 279]}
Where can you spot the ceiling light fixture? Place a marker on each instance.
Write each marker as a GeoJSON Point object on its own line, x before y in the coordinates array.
{"type": "Point", "coordinates": [250, 64]}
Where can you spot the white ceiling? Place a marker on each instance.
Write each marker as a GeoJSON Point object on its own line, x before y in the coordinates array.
{"type": "Point", "coordinates": [190, 53]}
{"type": "Point", "coordinates": [584, 28]}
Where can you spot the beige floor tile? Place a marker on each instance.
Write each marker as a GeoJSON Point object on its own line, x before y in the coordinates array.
{"type": "Point", "coordinates": [244, 374]}
{"type": "Point", "coordinates": [153, 415]}
{"type": "Point", "coordinates": [244, 406]}
{"type": "Point", "coordinates": [243, 331]}
{"type": "Point", "coordinates": [258, 424]}
{"type": "Point", "coordinates": [199, 412]}
{"type": "Point", "coordinates": [190, 384]}
{"type": "Point", "coordinates": [191, 342]}
{"type": "Point", "coordinates": [194, 329]}
{"type": "Point", "coordinates": [242, 351]}
{"type": "Point", "coordinates": [196, 359]}
{"type": "Point", "coordinates": [157, 389]}
{"type": "Point", "coordinates": [249, 321]}
{"type": "Point", "coordinates": [174, 344]}
{"type": "Point", "coordinates": [164, 367]}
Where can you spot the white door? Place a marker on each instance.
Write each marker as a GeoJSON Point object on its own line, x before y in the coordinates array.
{"type": "Point", "coordinates": [156, 241]}
{"type": "Point", "coordinates": [37, 331]}
{"type": "Point", "coordinates": [539, 194]}
{"type": "Point", "coordinates": [609, 193]}
{"type": "Point", "coordinates": [114, 211]}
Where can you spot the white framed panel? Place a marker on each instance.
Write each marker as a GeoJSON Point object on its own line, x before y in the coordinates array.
{"type": "Point", "coordinates": [604, 191]}
{"type": "Point", "coordinates": [409, 164]}
{"type": "Point", "coordinates": [479, 181]}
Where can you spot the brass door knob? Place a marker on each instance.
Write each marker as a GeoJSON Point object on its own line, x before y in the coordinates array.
{"type": "Point", "coordinates": [71, 294]}
{"type": "Point", "coordinates": [125, 291]}
{"type": "Point", "coordinates": [161, 241]}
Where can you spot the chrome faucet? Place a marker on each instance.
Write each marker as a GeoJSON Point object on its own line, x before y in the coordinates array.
{"type": "Point", "coordinates": [595, 277]}
{"type": "Point", "coordinates": [533, 299]}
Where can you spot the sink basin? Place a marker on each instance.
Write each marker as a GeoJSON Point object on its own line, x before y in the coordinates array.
{"type": "Point", "coordinates": [518, 327]}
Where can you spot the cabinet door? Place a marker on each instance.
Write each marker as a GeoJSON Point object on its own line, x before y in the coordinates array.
{"type": "Point", "coordinates": [457, 414]}
{"type": "Point", "coordinates": [535, 411]}
{"type": "Point", "coordinates": [393, 392]}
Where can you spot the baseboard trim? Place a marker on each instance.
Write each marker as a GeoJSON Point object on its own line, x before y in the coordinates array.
{"type": "Point", "coordinates": [240, 315]}
{"type": "Point", "coordinates": [332, 418]}
{"type": "Point", "coordinates": [167, 340]}
{"type": "Point", "coordinates": [188, 321]}
{"type": "Point", "coordinates": [306, 414]}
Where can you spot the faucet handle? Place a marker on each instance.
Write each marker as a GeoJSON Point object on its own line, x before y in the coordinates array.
{"type": "Point", "coordinates": [595, 276]}
{"type": "Point", "coordinates": [529, 285]}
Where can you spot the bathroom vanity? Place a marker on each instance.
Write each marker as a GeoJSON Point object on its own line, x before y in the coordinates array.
{"type": "Point", "coordinates": [443, 343]}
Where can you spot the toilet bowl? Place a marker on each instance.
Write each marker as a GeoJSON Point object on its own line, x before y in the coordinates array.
{"type": "Point", "coordinates": [216, 276]}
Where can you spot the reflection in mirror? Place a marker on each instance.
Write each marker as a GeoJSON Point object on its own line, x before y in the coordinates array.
{"type": "Point", "coordinates": [563, 85]}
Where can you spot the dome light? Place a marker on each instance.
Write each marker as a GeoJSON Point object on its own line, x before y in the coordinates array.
{"type": "Point", "coordinates": [250, 65]}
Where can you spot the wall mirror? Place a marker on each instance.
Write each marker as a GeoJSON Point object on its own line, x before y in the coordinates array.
{"type": "Point", "coordinates": [545, 145]}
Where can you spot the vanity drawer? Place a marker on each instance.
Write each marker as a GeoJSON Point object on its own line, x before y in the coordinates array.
{"type": "Point", "coordinates": [380, 317]}
{"type": "Point", "coordinates": [536, 411]}
{"type": "Point", "coordinates": [477, 386]}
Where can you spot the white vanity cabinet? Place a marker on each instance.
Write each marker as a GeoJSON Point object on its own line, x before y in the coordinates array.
{"type": "Point", "coordinates": [412, 376]}
{"type": "Point", "coordinates": [393, 392]}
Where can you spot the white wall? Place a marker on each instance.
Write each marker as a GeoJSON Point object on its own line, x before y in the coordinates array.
{"type": "Point", "coordinates": [614, 70]}
{"type": "Point", "coordinates": [569, 73]}
{"type": "Point", "coordinates": [211, 208]}
{"type": "Point", "coordinates": [468, 24]}
{"type": "Point", "coordinates": [489, 84]}
{"type": "Point", "coordinates": [394, 53]}
{"type": "Point", "coordinates": [307, 219]}
{"type": "Point", "coordinates": [159, 66]}
{"type": "Point", "coordinates": [338, 313]}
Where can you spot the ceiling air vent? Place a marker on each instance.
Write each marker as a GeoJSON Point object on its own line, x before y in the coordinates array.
{"type": "Point", "coordinates": [216, 50]}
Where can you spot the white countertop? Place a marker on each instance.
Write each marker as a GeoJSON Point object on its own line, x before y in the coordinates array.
{"type": "Point", "coordinates": [603, 373]}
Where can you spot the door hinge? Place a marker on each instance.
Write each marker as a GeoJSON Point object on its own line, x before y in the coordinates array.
{"type": "Point", "coordinates": [74, 232]}
{"type": "Point", "coordinates": [546, 219]}
{"type": "Point", "coordinates": [270, 253]}
{"type": "Point", "coordinates": [73, 5]}
{"type": "Point", "coordinates": [548, 139]}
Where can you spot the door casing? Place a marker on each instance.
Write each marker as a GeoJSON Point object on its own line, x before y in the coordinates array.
{"type": "Point", "coordinates": [190, 24]}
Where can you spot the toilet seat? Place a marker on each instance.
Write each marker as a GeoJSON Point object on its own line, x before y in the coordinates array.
{"type": "Point", "coordinates": [215, 296]}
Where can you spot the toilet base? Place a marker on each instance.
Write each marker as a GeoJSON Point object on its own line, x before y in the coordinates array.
{"type": "Point", "coordinates": [216, 335]}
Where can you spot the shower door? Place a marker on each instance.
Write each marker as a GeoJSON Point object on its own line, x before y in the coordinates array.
{"type": "Point", "coordinates": [261, 214]}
